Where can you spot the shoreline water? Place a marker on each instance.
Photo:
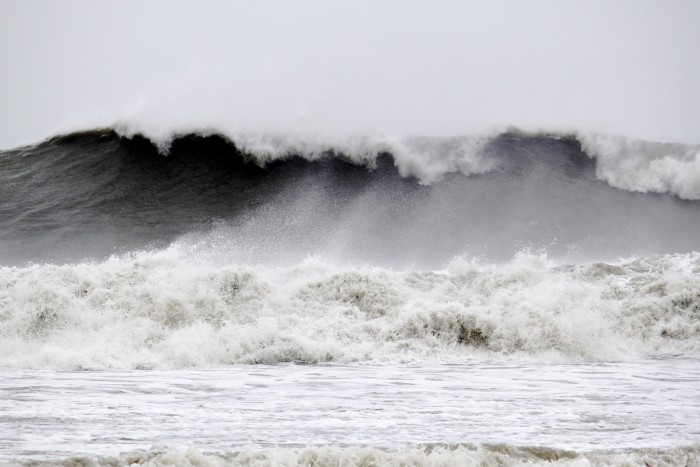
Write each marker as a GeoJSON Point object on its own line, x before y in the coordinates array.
{"type": "Point", "coordinates": [612, 408]}
{"type": "Point", "coordinates": [429, 455]}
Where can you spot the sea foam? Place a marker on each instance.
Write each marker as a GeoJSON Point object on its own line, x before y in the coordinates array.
{"type": "Point", "coordinates": [163, 310]}
{"type": "Point", "coordinates": [426, 455]}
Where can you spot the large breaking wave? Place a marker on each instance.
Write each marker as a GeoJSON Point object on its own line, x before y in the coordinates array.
{"type": "Point", "coordinates": [626, 163]}
{"type": "Point", "coordinates": [417, 201]}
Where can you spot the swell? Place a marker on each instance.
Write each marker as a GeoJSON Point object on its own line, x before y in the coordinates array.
{"type": "Point", "coordinates": [173, 310]}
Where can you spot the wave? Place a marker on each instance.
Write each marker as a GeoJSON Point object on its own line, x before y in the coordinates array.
{"type": "Point", "coordinates": [625, 163]}
{"type": "Point", "coordinates": [622, 162]}
{"type": "Point", "coordinates": [165, 310]}
{"type": "Point", "coordinates": [89, 195]}
{"type": "Point", "coordinates": [423, 455]}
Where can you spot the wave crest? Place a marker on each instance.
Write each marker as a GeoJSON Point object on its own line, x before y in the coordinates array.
{"type": "Point", "coordinates": [625, 163]}
{"type": "Point", "coordinates": [644, 166]}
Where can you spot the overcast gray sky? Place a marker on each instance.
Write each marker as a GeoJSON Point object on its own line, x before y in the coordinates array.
{"type": "Point", "coordinates": [363, 67]}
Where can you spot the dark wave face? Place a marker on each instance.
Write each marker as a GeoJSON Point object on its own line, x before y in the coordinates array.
{"type": "Point", "coordinates": [90, 195]}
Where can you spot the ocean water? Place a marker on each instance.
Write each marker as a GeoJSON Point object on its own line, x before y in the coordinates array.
{"type": "Point", "coordinates": [349, 233]}
{"type": "Point", "coordinates": [565, 407]}
{"type": "Point", "coordinates": [214, 299]}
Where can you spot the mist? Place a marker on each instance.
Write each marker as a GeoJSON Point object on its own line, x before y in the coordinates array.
{"type": "Point", "coordinates": [326, 69]}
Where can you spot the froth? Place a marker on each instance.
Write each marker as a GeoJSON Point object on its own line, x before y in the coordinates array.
{"type": "Point", "coordinates": [425, 455]}
{"type": "Point", "coordinates": [162, 310]}
{"type": "Point", "coordinates": [646, 166]}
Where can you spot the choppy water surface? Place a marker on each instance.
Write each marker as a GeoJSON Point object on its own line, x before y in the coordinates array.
{"type": "Point", "coordinates": [585, 407]}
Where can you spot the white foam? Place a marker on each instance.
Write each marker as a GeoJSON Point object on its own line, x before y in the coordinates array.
{"type": "Point", "coordinates": [430, 455]}
{"type": "Point", "coordinates": [645, 166]}
{"type": "Point", "coordinates": [163, 310]}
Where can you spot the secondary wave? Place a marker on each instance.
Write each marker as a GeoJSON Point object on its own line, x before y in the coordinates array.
{"type": "Point", "coordinates": [172, 310]}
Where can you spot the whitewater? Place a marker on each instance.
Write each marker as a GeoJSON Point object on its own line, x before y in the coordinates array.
{"type": "Point", "coordinates": [349, 234]}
